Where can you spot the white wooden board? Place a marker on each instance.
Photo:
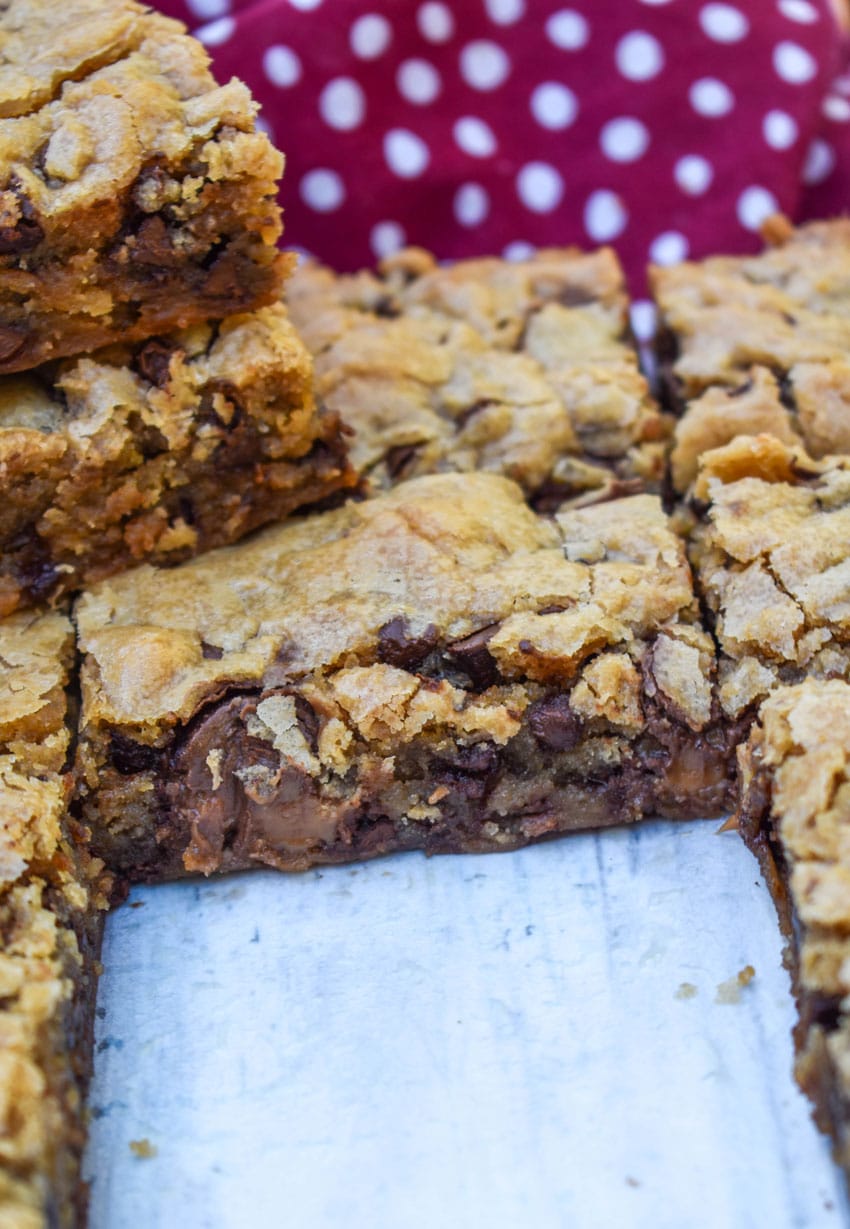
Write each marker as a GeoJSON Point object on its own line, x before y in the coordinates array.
{"type": "Point", "coordinates": [494, 1042]}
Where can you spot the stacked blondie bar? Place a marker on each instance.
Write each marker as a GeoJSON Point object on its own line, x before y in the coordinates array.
{"type": "Point", "coordinates": [155, 401]}
{"type": "Point", "coordinates": [551, 600]}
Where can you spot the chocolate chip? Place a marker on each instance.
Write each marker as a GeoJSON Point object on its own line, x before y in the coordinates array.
{"type": "Point", "coordinates": [153, 243]}
{"type": "Point", "coordinates": [386, 307]}
{"type": "Point", "coordinates": [398, 459]}
{"type": "Point", "coordinates": [214, 393]}
{"type": "Point", "coordinates": [211, 652]}
{"type": "Point", "coordinates": [554, 724]}
{"type": "Point", "coordinates": [153, 361]}
{"type": "Point", "coordinates": [741, 390]}
{"type": "Point", "coordinates": [397, 647]}
{"type": "Point", "coordinates": [473, 657]}
{"type": "Point", "coordinates": [308, 721]}
{"type": "Point", "coordinates": [479, 759]}
{"type": "Point", "coordinates": [12, 341]}
{"type": "Point", "coordinates": [129, 756]}
{"type": "Point", "coordinates": [25, 232]}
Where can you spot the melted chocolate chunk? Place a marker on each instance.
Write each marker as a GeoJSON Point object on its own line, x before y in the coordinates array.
{"type": "Point", "coordinates": [211, 652]}
{"type": "Point", "coordinates": [308, 721]}
{"type": "Point", "coordinates": [397, 647]}
{"type": "Point", "coordinates": [153, 243]}
{"type": "Point", "coordinates": [12, 341]}
{"type": "Point", "coordinates": [131, 757]}
{"type": "Point", "coordinates": [473, 657]}
{"type": "Point", "coordinates": [25, 233]}
{"type": "Point", "coordinates": [213, 392]}
{"type": "Point", "coordinates": [153, 361]}
{"type": "Point", "coordinates": [554, 724]}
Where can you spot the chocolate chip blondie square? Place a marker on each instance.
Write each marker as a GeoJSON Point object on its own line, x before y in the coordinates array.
{"type": "Point", "coordinates": [795, 815]}
{"type": "Point", "coordinates": [136, 195]}
{"type": "Point", "coordinates": [520, 368]}
{"type": "Point", "coordinates": [157, 450]}
{"type": "Point", "coordinates": [759, 344]}
{"type": "Point", "coordinates": [436, 668]}
{"type": "Point", "coordinates": [51, 901]}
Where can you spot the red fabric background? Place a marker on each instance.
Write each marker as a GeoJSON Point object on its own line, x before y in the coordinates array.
{"type": "Point", "coordinates": [590, 108]}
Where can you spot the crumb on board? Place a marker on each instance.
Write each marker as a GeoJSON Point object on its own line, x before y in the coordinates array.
{"type": "Point", "coordinates": [687, 990]}
{"type": "Point", "coordinates": [630, 1181]}
{"type": "Point", "coordinates": [730, 991]}
{"type": "Point", "coordinates": [142, 1148]}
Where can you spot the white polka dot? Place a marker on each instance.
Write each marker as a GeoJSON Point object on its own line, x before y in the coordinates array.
{"type": "Point", "coordinates": [711, 97]}
{"type": "Point", "coordinates": [342, 104]}
{"type": "Point", "coordinates": [540, 187]}
{"type": "Point", "coordinates": [435, 22]}
{"type": "Point", "coordinates": [793, 63]}
{"type": "Point", "coordinates": [263, 125]}
{"type": "Point", "coordinates": [281, 65]}
{"type": "Point", "coordinates": [217, 32]}
{"type": "Point", "coordinates": [484, 65]}
{"type": "Point", "coordinates": [643, 318]}
{"type": "Point", "coordinates": [842, 83]}
{"type": "Point", "coordinates": [322, 190]}
{"type": "Point", "coordinates": [406, 153]}
{"type": "Point", "coordinates": [820, 162]}
{"type": "Point", "coordinates": [208, 9]}
{"type": "Point", "coordinates": [504, 12]}
{"type": "Point", "coordinates": [418, 81]}
{"type": "Point", "coordinates": [474, 137]}
{"type": "Point", "coordinates": [723, 23]}
{"type": "Point", "coordinates": [605, 216]}
{"type": "Point", "coordinates": [639, 56]}
{"type": "Point", "coordinates": [836, 108]}
{"type": "Point", "coordinates": [655, 2]}
{"type": "Point", "coordinates": [693, 174]}
{"type": "Point", "coordinates": [755, 205]}
{"type": "Point", "coordinates": [624, 139]}
{"type": "Point", "coordinates": [668, 248]}
{"type": "Point", "coordinates": [799, 10]}
{"type": "Point", "coordinates": [519, 250]}
{"type": "Point", "coordinates": [568, 30]}
{"type": "Point", "coordinates": [779, 129]}
{"type": "Point", "coordinates": [386, 238]}
{"type": "Point", "coordinates": [370, 36]}
{"type": "Point", "coordinates": [554, 105]}
{"type": "Point", "coordinates": [305, 5]}
{"type": "Point", "coordinates": [471, 204]}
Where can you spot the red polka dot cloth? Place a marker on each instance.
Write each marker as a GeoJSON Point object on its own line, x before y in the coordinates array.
{"type": "Point", "coordinates": [666, 127]}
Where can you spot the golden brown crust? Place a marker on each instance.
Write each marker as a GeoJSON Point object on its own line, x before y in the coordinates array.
{"type": "Point", "coordinates": [770, 551]}
{"type": "Point", "coordinates": [519, 368]}
{"type": "Point", "coordinates": [796, 802]}
{"type": "Point", "coordinates": [321, 680]}
{"type": "Point", "coordinates": [136, 195]}
{"type": "Point", "coordinates": [50, 894]}
{"type": "Point", "coordinates": [759, 344]}
{"type": "Point", "coordinates": [157, 451]}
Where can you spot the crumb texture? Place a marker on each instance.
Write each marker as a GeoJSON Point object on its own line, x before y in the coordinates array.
{"type": "Point", "coordinates": [523, 369]}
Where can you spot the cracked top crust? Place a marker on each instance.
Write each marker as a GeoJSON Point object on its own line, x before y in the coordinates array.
{"type": "Point", "coordinates": [800, 748]}
{"type": "Point", "coordinates": [344, 595]}
{"type": "Point", "coordinates": [522, 368]}
{"type": "Point", "coordinates": [772, 556]}
{"type": "Point", "coordinates": [115, 87]}
{"type": "Point", "coordinates": [47, 885]}
{"type": "Point", "coordinates": [789, 305]}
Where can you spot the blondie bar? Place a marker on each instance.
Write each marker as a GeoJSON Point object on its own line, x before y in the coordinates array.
{"type": "Point", "coordinates": [436, 668]}
{"type": "Point", "coordinates": [524, 369]}
{"type": "Point", "coordinates": [771, 553]}
{"type": "Point", "coordinates": [157, 450]}
{"type": "Point", "coordinates": [136, 195]}
{"type": "Point", "coordinates": [795, 816]}
{"type": "Point", "coordinates": [759, 344]}
{"type": "Point", "coordinates": [51, 900]}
